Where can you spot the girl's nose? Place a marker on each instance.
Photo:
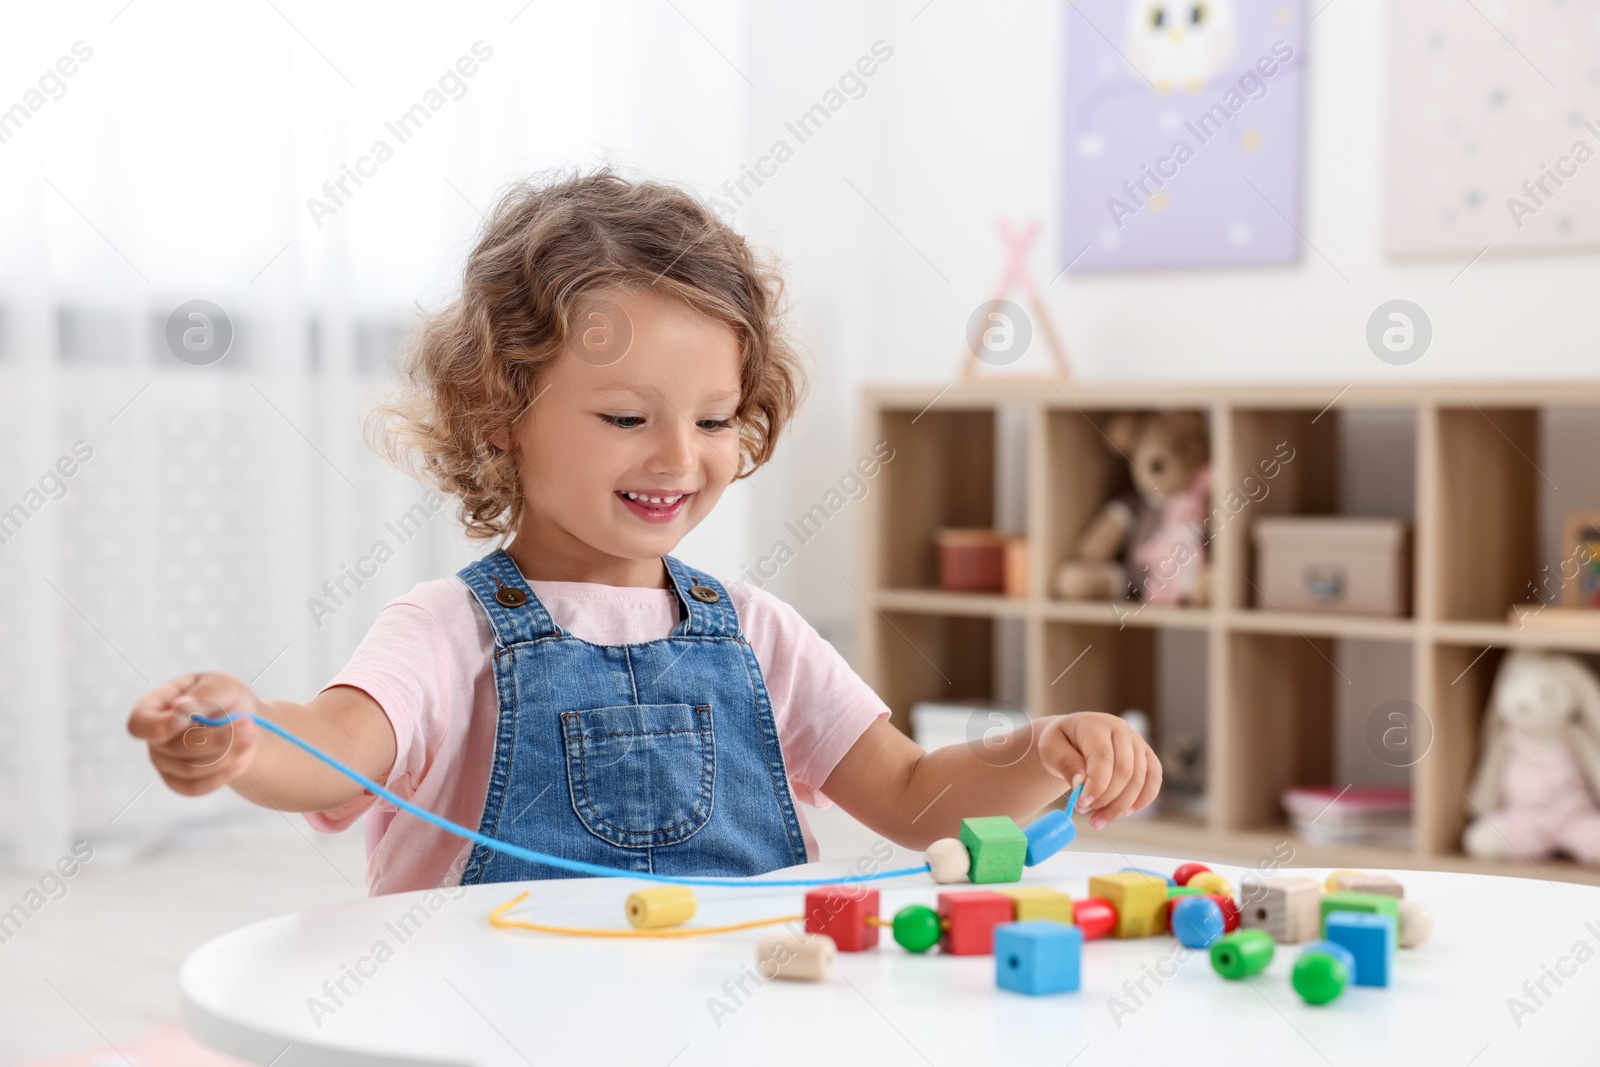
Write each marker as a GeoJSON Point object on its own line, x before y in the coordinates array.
{"type": "Point", "coordinates": [674, 448]}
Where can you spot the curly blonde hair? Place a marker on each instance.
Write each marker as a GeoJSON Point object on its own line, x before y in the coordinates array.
{"type": "Point", "coordinates": [469, 369]}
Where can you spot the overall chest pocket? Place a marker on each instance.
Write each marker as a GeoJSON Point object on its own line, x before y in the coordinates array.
{"type": "Point", "coordinates": [641, 774]}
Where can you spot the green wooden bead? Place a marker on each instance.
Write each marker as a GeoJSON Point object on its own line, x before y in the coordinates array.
{"type": "Point", "coordinates": [1319, 977]}
{"type": "Point", "coordinates": [1242, 953]}
{"type": "Point", "coordinates": [916, 927]}
{"type": "Point", "coordinates": [1183, 891]}
{"type": "Point", "coordinates": [998, 847]}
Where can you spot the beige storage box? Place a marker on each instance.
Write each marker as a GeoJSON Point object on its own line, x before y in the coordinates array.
{"type": "Point", "coordinates": [1329, 563]}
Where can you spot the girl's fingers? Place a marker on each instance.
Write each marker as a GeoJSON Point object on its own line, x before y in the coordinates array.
{"type": "Point", "coordinates": [1122, 803]}
{"type": "Point", "coordinates": [1152, 780]}
{"type": "Point", "coordinates": [1122, 769]}
{"type": "Point", "coordinates": [1099, 755]}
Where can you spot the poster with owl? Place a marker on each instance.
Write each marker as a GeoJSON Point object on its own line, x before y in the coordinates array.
{"type": "Point", "coordinates": [1183, 133]}
{"type": "Point", "coordinates": [1493, 127]}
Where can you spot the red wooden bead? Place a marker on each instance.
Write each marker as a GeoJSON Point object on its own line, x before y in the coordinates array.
{"type": "Point", "coordinates": [1230, 912]}
{"type": "Point", "coordinates": [971, 918]}
{"type": "Point", "coordinates": [841, 912]}
{"type": "Point", "coordinates": [1095, 916]}
{"type": "Point", "coordinates": [1188, 871]}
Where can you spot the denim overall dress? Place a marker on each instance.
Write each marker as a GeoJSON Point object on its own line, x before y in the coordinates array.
{"type": "Point", "coordinates": [661, 756]}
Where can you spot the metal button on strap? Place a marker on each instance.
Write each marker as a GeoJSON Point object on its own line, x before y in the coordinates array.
{"type": "Point", "coordinates": [511, 598]}
{"type": "Point", "coordinates": [704, 593]}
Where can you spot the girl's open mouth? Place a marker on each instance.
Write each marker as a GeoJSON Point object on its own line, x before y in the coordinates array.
{"type": "Point", "coordinates": [654, 507]}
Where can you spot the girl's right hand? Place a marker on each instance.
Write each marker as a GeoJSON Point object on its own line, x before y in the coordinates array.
{"type": "Point", "coordinates": [194, 759]}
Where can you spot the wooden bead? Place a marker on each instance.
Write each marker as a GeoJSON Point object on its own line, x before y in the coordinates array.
{"type": "Point", "coordinates": [1037, 956]}
{"type": "Point", "coordinates": [1286, 908]}
{"type": "Point", "coordinates": [1140, 901]}
{"type": "Point", "coordinates": [1416, 924]}
{"type": "Point", "coordinates": [1047, 835]}
{"type": "Point", "coordinates": [1370, 903]}
{"type": "Point", "coordinates": [1174, 894]}
{"type": "Point", "coordinates": [1370, 938]}
{"type": "Point", "coordinates": [1322, 972]}
{"type": "Point", "coordinates": [948, 861]}
{"type": "Point", "coordinates": [800, 959]}
{"type": "Point", "coordinates": [998, 847]}
{"type": "Point", "coordinates": [969, 920]}
{"type": "Point", "coordinates": [1230, 912]}
{"type": "Point", "coordinates": [660, 906]}
{"type": "Point", "coordinates": [1039, 902]}
{"type": "Point", "coordinates": [1361, 882]}
{"type": "Point", "coordinates": [1197, 920]}
{"type": "Point", "coordinates": [1210, 882]}
{"type": "Point", "coordinates": [1330, 884]}
{"type": "Point", "coordinates": [1241, 954]}
{"type": "Point", "coordinates": [1095, 916]}
{"type": "Point", "coordinates": [1187, 871]}
{"type": "Point", "coordinates": [841, 912]}
{"type": "Point", "coordinates": [916, 927]}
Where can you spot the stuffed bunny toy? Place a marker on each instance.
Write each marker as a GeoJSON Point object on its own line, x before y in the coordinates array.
{"type": "Point", "coordinates": [1149, 543]}
{"type": "Point", "coordinates": [1537, 780]}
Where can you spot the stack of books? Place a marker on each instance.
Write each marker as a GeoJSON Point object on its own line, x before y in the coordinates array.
{"type": "Point", "coordinates": [1354, 815]}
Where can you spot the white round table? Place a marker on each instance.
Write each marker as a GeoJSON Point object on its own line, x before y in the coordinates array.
{"type": "Point", "coordinates": [413, 979]}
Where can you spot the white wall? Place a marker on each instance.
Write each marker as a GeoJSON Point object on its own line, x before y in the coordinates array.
{"type": "Point", "coordinates": [961, 128]}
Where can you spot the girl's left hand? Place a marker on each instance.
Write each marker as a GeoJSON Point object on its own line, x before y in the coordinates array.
{"type": "Point", "coordinates": [1119, 771]}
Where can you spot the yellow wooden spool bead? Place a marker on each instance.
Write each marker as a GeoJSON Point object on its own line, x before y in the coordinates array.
{"type": "Point", "coordinates": [662, 905]}
{"type": "Point", "coordinates": [1211, 882]}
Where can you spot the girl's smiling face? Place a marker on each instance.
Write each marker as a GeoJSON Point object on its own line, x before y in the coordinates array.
{"type": "Point", "coordinates": [619, 458]}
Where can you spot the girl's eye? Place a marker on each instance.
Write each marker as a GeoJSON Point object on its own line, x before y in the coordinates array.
{"type": "Point", "coordinates": [626, 422]}
{"type": "Point", "coordinates": [716, 424]}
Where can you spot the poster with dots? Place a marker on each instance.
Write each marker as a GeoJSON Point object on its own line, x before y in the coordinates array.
{"type": "Point", "coordinates": [1183, 133]}
{"type": "Point", "coordinates": [1494, 126]}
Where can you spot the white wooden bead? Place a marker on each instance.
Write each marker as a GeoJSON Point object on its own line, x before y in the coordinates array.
{"type": "Point", "coordinates": [807, 958]}
{"type": "Point", "coordinates": [1416, 924]}
{"type": "Point", "coordinates": [948, 861]}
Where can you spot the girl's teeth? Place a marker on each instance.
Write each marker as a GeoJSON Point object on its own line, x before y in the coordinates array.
{"type": "Point", "coordinates": [653, 499]}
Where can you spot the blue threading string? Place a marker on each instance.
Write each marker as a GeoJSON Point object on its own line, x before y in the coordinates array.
{"type": "Point", "coordinates": [546, 858]}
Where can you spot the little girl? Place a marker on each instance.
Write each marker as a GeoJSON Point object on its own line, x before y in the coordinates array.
{"type": "Point", "coordinates": [617, 357]}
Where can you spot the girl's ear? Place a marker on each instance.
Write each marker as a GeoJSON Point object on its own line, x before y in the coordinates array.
{"type": "Point", "coordinates": [499, 439]}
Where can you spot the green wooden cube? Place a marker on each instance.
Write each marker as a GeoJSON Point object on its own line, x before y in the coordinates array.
{"type": "Point", "coordinates": [1371, 903]}
{"type": "Point", "coordinates": [998, 847]}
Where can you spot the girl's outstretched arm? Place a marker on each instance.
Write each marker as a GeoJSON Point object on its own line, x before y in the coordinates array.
{"type": "Point", "coordinates": [914, 797]}
{"type": "Point", "coordinates": [267, 770]}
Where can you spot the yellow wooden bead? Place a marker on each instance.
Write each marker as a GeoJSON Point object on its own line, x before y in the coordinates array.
{"type": "Point", "coordinates": [1039, 902]}
{"type": "Point", "coordinates": [662, 905]}
{"type": "Point", "coordinates": [1211, 882]}
{"type": "Point", "coordinates": [1331, 883]}
{"type": "Point", "coordinates": [1140, 901]}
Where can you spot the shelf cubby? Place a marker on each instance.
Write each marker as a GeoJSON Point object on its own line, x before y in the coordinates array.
{"type": "Point", "coordinates": [942, 475]}
{"type": "Point", "coordinates": [1473, 466]}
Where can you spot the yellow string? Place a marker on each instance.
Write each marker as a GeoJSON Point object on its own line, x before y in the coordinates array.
{"type": "Point", "coordinates": [498, 920]}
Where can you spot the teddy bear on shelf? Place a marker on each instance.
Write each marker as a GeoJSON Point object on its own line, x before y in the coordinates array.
{"type": "Point", "coordinates": [1149, 543]}
{"type": "Point", "coordinates": [1537, 781]}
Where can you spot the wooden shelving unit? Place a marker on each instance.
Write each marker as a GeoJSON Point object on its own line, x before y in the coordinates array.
{"type": "Point", "coordinates": [1269, 676]}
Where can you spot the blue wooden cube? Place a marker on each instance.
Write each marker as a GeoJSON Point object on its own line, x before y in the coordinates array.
{"type": "Point", "coordinates": [1370, 938]}
{"type": "Point", "coordinates": [1038, 956]}
{"type": "Point", "coordinates": [1049, 834]}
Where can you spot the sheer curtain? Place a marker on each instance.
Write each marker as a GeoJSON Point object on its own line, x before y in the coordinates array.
{"type": "Point", "coordinates": [162, 510]}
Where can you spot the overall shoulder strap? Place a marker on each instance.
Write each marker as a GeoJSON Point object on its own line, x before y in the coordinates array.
{"type": "Point", "coordinates": [514, 611]}
{"type": "Point", "coordinates": [706, 607]}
